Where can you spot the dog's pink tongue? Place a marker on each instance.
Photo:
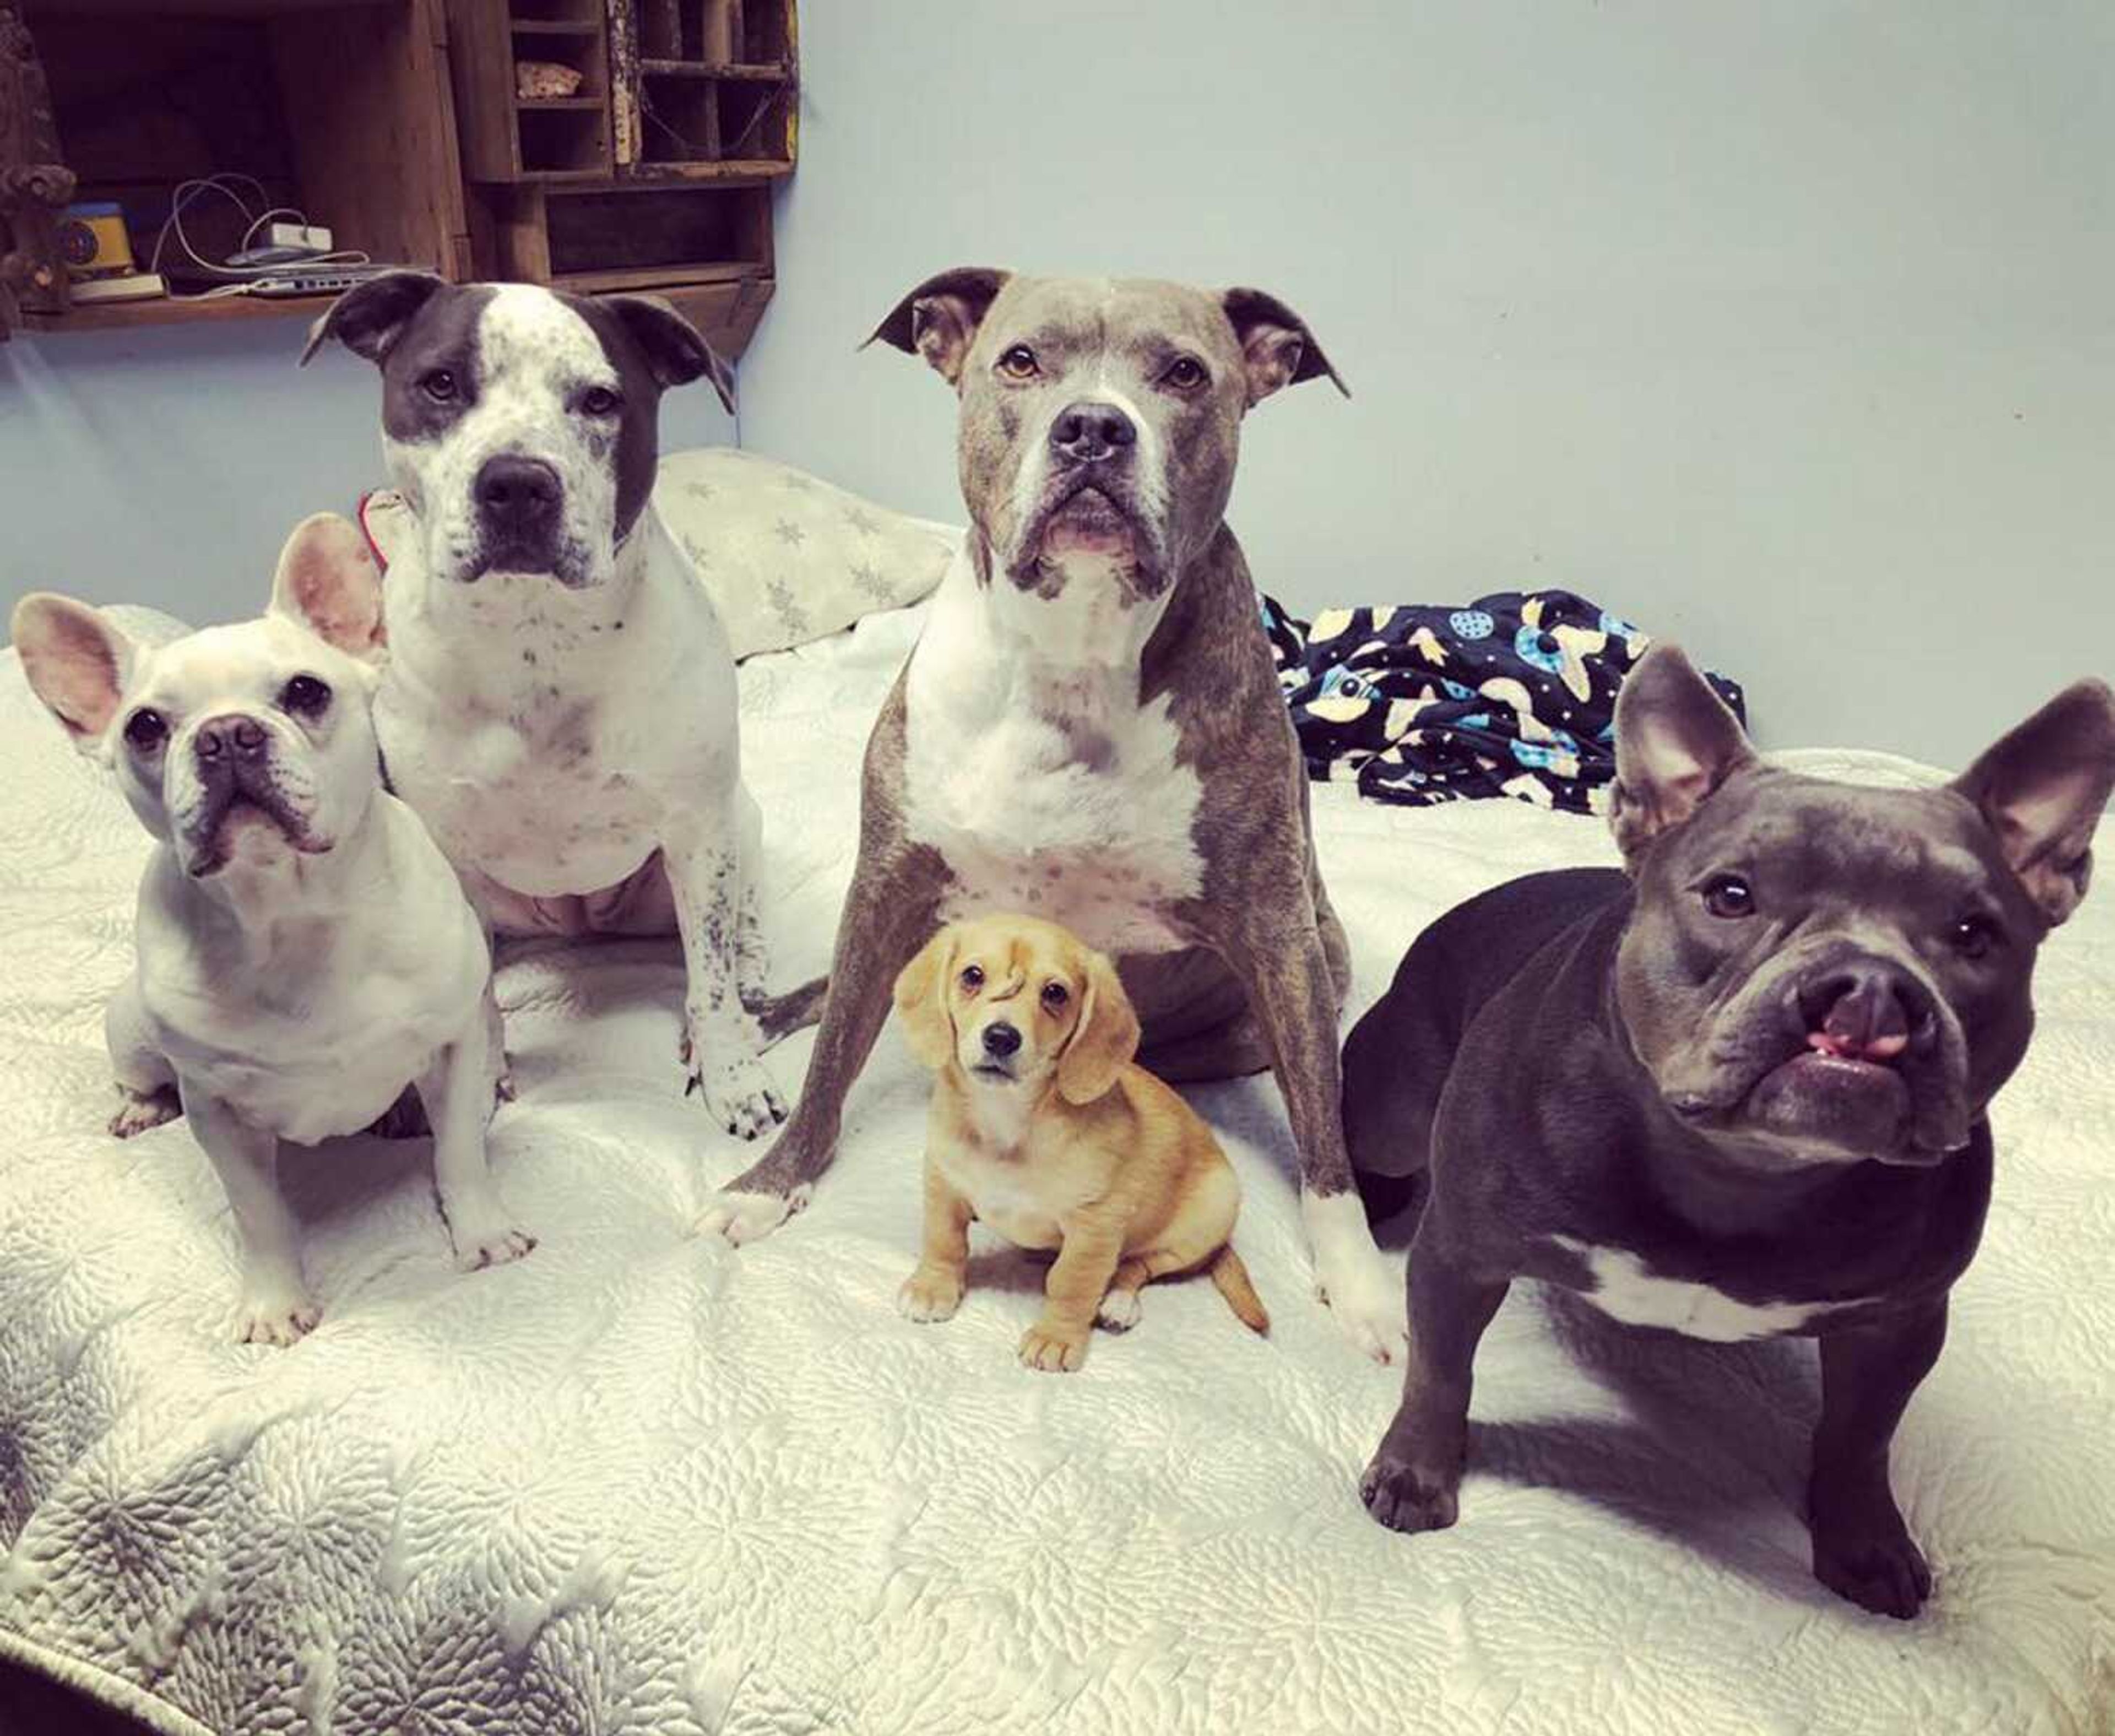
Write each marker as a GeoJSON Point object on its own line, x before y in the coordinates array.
{"type": "Point", "coordinates": [1863, 1026]}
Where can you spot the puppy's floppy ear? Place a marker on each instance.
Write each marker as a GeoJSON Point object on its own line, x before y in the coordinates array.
{"type": "Point", "coordinates": [1105, 1039]}
{"type": "Point", "coordinates": [369, 317]}
{"type": "Point", "coordinates": [922, 1000]}
{"type": "Point", "coordinates": [675, 349]}
{"type": "Point", "coordinates": [1276, 347]}
{"type": "Point", "coordinates": [1675, 742]}
{"type": "Point", "coordinates": [328, 582]}
{"type": "Point", "coordinates": [78, 661]}
{"type": "Point", "coordinates": [938, 319]}
{"type": "Point", "coordinates": [2041, 789]}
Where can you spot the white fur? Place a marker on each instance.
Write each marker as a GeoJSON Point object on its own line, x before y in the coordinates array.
{"type": "Point", "coordinates": [1363, 1295]}
{"type": "Point", "coordinates": [1624, 1290]}
{"type": "Point", "coordinates": [554, 737]}
{"type": "Point", "coordinates": [994, 785]}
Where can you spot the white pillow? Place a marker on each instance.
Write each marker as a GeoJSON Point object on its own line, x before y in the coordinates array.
{"type": "Point", "coordinates": [787, 559]}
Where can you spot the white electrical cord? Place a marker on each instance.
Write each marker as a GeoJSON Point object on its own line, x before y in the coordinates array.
{"type": "Point", "coordinates": [242, 278]}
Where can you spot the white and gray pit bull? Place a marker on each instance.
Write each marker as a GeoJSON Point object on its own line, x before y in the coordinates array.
{"type": "Point", "coordinates": [558, 703]}
{"type": "Point", "coordinates": [305, 953]}
{"type": "Point", "coordinates": [1090, 729]}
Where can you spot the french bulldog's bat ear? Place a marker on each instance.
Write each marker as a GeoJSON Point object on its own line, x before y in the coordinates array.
{"type": "Point", "coordinates": [938, 319]}
{"type": "Point", "coordinates": [922, 1000]}
{"type": "Point", "coordinates": [675, 349]}
{"type": "Point", "coordinates": [371, 316]}
{"type": "Point", "coordinates": [1277, 349]}
{"type": "Point", "coordinates": [1675, 742]}
{"type": "Point", "coordinates": [1105, 1039]}
{"type": "Point", "coordinates": [78, 661]}
{"type": "Point", "coordinates": [2043, 787]}
{"type": "Point", "coordinates": [328, 581]}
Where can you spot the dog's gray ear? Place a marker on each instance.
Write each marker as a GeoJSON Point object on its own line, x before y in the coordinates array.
{"type": "Point", "coordinates": [78, 661]}
{"type": "Point", "coordinates": [1105, 1039]}
{"type": "Point", "coordinates": [938, 319]}
{"type": "Point", "coordinates": [328, 582]}
{"type": "Point", "coordinates": [675, 350]}
{"type": "Point", "coordinates": [1277, 349]}
{"type": "Point", "coordinates": [2043, 787]}
{"type": "Point", "coordinates": [371, 316]}
{"type": "Point", "coordinates": [1675, 742]}
{"type": "Point", "coordinates": [922, 1000]}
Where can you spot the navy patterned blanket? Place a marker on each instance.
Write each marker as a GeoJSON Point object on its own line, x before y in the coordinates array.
{"type": "Point", "coordinates": [1513, 695]}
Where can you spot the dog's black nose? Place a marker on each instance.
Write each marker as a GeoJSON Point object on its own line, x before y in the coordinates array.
{"type": "Point", "coordinates": [1869, 1007]}
{"type": "Point", "coordinates": [518, 494]}
{"type": "Point", "coordinates": [1001, 1039]}
{"type": "Point", "coordinates": [233, 736]}
{"type": "Point", "coordinates": [1087, 432]}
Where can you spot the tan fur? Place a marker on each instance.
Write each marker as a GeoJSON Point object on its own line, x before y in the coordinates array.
{"type": "Point", "coordinates": [1081, 1151]}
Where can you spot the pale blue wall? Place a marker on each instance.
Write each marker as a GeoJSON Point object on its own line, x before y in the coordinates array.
{"type": "Point", "coordinates": [167, 465]}
{"type": "Point", "coordinates": [1789, 329]}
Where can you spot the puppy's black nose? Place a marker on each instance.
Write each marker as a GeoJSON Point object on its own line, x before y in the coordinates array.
{"type": "Point", "coordinates": [1087, 432]}
{"type": "Point", "coordinates": [232, 737]}
{"type": "Point", "coordinates": [518, 495]}
{"type": "Point", "coordinates": [1001, 1039]}
{"type": "Point", "coordinates": [1868, 1007]}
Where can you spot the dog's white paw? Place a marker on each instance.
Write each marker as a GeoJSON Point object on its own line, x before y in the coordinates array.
{"type": "Point", "coordinates": [928, 1296]}
{"type": "Point", "coordinates": [274, 1314]}
{"type": "Point", "coordinates": [740, 1097]}
{"type": "Point", "coordinates": [137, 1111]}
{"type": "Point", "coordinates": [1119, 1312]}
{"type": "Point", "coordinates": [480, 1233]}
{"type": "Point", "coordinates": [749, 1217]}
{"type": "Point", "coordinates": [1364, 1298]}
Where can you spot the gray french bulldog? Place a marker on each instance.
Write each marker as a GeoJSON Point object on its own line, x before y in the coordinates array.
{"type": "Point", "coordinates": [1737, 1090]}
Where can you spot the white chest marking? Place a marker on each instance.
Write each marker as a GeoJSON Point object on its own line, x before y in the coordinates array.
{"type": "Point", "coordinates": [1624, 1289]}
{"type": "Point", "coordinates": [1037, 775]}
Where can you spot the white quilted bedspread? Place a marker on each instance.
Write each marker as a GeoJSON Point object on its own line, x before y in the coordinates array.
{"type": "Point", "coordinates": [641, 1483]}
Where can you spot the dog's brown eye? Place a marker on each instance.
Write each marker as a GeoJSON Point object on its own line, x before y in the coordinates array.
{"type": "Point", "coordinates": [146, 730]}
{"type": "Point", "coordinates": [1019, 363]}
{"type": "Point", "coordinates": [439, 385]}
{"type": "Point", "coordinates": [973, 978]}
{"type": "Point", "coordinates": [1975, 937]}
{"type": "Point", "coordinates": [599, 400]}
{"type": "Point", "coordinates": [1055, 994]}
{"type": "Point", "coordinates": [1185, 373]}
{"type": "Point", "coordinates": [1727, 895]}
{"type": "Point", "coordinates": [305, 695]}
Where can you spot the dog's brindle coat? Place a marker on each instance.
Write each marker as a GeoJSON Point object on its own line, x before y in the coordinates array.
{"type": "Point", "coordinates": [1102, 612]}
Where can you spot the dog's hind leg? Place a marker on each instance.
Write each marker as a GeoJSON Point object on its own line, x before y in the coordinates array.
{"type": "Point", "coordinates": [146, 1083]}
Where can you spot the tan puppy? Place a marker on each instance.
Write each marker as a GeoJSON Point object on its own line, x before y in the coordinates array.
{"type": "Point", "coordinates": [1043, 1128]}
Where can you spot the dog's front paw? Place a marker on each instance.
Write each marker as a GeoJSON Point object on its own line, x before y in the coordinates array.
{"type": "Point", "coordinates": [1119, 1311]}
{"type": "Point", "coordinates": [1404, 1496]}
{"type": "Point", "coordinates": [496, 1246]}
{"type": "Point", "coordinates": [137, 1111]}
{"type": "Point", "coordinates": [930, 1293]}
{"type": "Point", "coordinates": [1364, 1298]}
{"type": "Point", "coordinates": [1054, 1349]}
{"type": "Point", "coordinates": [1873, 1563]}
{"type": "Point", "coordinates": [740, 1097]}
{"type": "Point", "coordinates": [749, 1217]}
{"type": "Point", "coordinates": [275, 1314]}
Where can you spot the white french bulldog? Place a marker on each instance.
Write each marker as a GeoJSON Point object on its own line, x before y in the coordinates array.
{"type": "Point", "coordinates": [305, 951]}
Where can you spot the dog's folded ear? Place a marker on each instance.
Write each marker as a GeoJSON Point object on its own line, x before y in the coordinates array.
{"type": "Point", "coordinates": [1675, 742]}
{"type": "Point", "coordinates": [674, 348]}
{"type": "Point", "coordinates": [2043, 787]}
{"type": "Point", "coordinates": [369, 317]}
{"type": "Point", "coordinates": [78, 661]}
{"type": "Point", "coordinates": [328, 582]}
{"type": "Point", "coordinates": [1104, 1041]}
{"type": "Point", "coordinates": [938, 319]}
{"type": "Point", "coordinates": [922, 1000]}
{"type": "Point", "coordinates": [1277, 349]}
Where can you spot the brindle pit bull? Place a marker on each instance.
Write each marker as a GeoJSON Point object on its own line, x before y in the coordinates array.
{"type": "Point", "coordinates": [1090, 728]}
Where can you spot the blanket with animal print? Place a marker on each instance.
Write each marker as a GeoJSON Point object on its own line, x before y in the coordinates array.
{"type": "Point", "coordinates": [1514, 695]}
